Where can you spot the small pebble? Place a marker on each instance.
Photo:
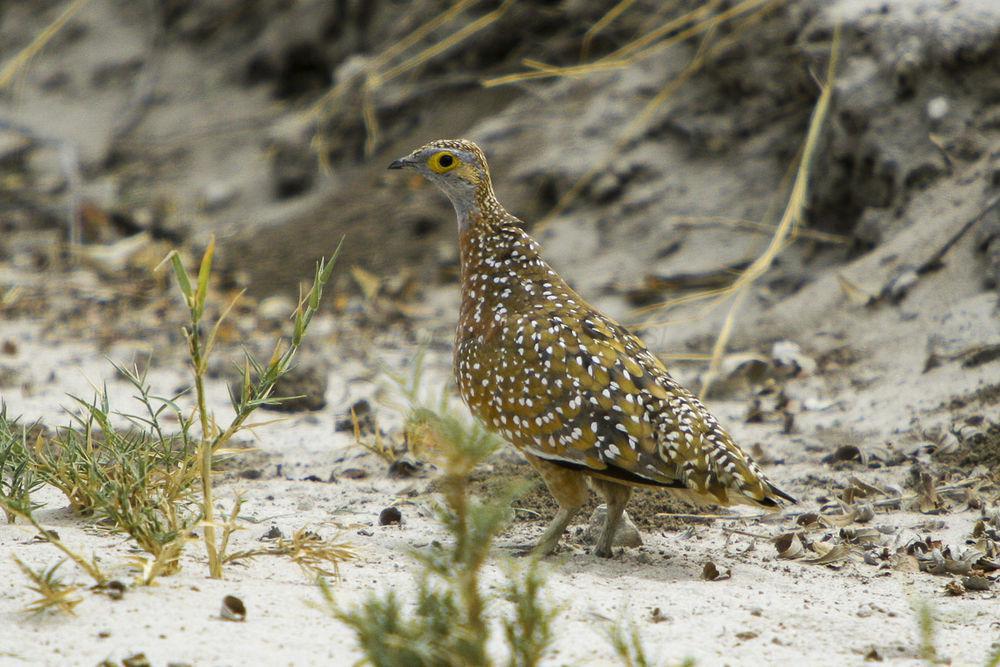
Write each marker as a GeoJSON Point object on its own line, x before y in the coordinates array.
{"type": "Point", "coordinates": [389, 516]}
{"type": "Point", "coordinates": [938, 108]}
{"type": "Point", "coordinates": [233, 609]}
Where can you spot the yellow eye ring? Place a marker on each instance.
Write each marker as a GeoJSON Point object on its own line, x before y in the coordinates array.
{"type": "Point", "coordinates": [443, 162]}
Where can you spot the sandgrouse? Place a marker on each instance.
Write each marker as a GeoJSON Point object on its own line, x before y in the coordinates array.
{"type": "Point", "coordinates": [578, 394]}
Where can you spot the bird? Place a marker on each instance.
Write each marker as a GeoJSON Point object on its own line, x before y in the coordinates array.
{"type": "Point", "coordinates": [578, 394]}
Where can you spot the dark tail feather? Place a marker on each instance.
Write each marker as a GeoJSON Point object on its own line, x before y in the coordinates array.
{"type": "Point", "coordinates": [773, 490]}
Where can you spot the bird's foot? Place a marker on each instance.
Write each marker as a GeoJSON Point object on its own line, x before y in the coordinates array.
{"type": "Point", "coordinates": [522, 550]}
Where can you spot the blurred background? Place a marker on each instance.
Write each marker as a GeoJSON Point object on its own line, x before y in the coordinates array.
{"type": "Point", "coordinates": [794, 202]}
{"type": "Point", "coordinates": [653, 147]}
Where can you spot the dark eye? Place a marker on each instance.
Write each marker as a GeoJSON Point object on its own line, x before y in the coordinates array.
{"type": "Point", "coordinates": [446, 160]}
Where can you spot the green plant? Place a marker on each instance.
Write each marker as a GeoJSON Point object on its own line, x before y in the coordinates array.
{"type": "Point", "coordinates": [17, 478]}
{"type": "Point", "coordinates": [628, 646]}
{"type": "Point", "coordinates": [135, 478]}
{"type": "Point", "coordinates": [134, 474]}
{"type": "Point", "coordinates": [926, 631]}
{"type": "Point", "coordinates": [529, 631]}
{"type": "Point", "coordinates": [258, 380]}
{"type": "Point", "coordinates": [449, 623]}
{"type": "Point", "coordinates": [925, 626]}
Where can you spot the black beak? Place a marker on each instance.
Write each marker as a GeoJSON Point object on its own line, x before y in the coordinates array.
{"type": "Point", "coordinates": [397, 164]}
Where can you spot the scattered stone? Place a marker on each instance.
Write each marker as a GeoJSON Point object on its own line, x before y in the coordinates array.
{"type": "Point", "coordinates": [897, 288]}
{"type": "Point", "coordinates": [937, 109]}
{"type": "Point", "coordinates": [293, 169]}
{"type": "Point", "coordinates": [217, 195]}
{"type": "Point", "coordinates": [404, 467]}
{"type": "Point", "coordinates": [354, 473]}
{"type": "Point", "coordinates": [954, 588]}
{"type": "Point", "coordinates": [976, 583]}
{"type": "Point", "coordinates": [233, 609]}
{"type": "Point", "coordinates": [845, 453]}
{"type": "Point", "coordinates": [627, 534]}
{"type": "Point", "coordinates": [788, 356]}
{"type": "Point", "coordinates": [873, 656]}
{"type": "Point", "coordinates": [9, 347]}
{"type": "Point", "coordinates": [361, 410]}
{"type": "Point", "coordinates": [711, 572]}
{"type": "Point", "coordinates": [9, 376]}
{"type": "Point", "coordinates": [390, 516]}
{"type": "Point", "coordinates": [273, 533]}
{"type": "Point", "coordinates": [275, 308]}
{"type": "Point", "coordinates": [114, 589]}
{"type": "Point", "coordinates": [137, 660]}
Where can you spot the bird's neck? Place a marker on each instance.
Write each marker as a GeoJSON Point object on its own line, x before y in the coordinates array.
{"type": "Point", "coordinates": [480, 218]}
{"type": "Point", "coordinates": [494, 245]}
{"type": "Point", "coordinates": [475, 205]}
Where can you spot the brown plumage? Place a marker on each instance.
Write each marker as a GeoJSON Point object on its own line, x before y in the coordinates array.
{"type": "Point", "coordinates": [576, 392]}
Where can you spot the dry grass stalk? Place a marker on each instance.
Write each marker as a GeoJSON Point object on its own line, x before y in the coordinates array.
{"type": "Point", "coordinates": [380, 71]}
{"type": "Point", "coordinates": [257, 386]}
{"type": "Point", "coordinates": [643, 46]}
{"type": "Point", "coordinates": [755, 226]}
{"type": "Point", "coordinates": [19, 61]}
{"type": "Point", "coordinates": [789, 220]}
{"type": "Point", "coordinates": [88, 566]}
{"type": "Point", "coordinates": [601, 24]}
{"type": "Point", "coordinates": [625, 57]}
{"type": "Point", "coordinates": [316, 556]}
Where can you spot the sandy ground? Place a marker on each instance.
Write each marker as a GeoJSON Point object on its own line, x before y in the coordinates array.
{"type": "Point", "coordinates": [769, 611]}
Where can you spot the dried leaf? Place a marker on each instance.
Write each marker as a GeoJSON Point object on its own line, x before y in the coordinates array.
{"type": "Point", "coordinates": [829, 554]}
{"type": "Point", "coordinates": [864, 513]}
{"type": "Point", "coordinates": [712, 573]}
{"type": "Point", "coordinates": [976, 583]}
{"type": "Point", "coordinates": [954, 588]}
{"type": "Point", "coordinates": [789, 546]}
{"type": "Point", "coordinates": [136, 660]}
{"type": "Point", "coordinates": [865, 537]}
{"type": "Point", "coordinates": [873, 656]}
{"type": "Point", "coordinates": [812, 520]}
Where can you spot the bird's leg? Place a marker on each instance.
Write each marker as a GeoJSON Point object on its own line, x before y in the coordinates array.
{"type": "Point", "coordinates": [549, 540]}
{"type": "Point", "coordinates": [569, 488]}
{"type": "Point", "coordinates": [616, 496]}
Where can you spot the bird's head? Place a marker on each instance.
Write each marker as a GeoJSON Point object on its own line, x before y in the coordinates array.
{"type": "Point", "coordinates": [458, 167]}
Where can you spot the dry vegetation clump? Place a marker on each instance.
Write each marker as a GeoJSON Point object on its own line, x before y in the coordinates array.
{"type": "Point", "coordinates": [149, 473]}
{"type": "Point", "coordinates": [449, 620]}
{"type": "Point", "coordinates": [979, 444]}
